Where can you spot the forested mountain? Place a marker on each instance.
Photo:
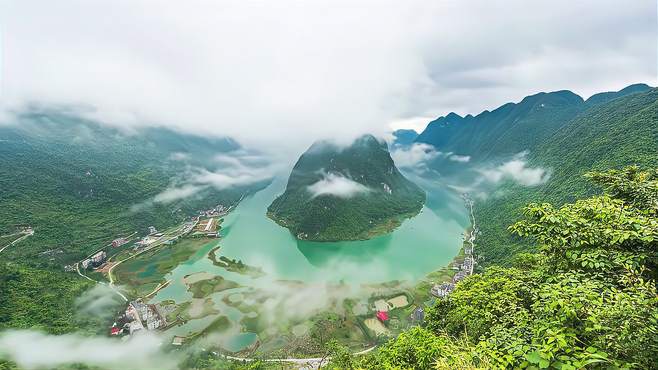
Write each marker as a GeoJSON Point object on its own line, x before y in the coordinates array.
{"type": "Point", "coordinates": [587, 300]}
{"type": "Point", "coordinates": [77, 183]}
{"type": "Point", "coordinates": [512, 127]}
{"type": "Point", "coordinates": [558, 132]}
{"type": "Point", "coordinates": [337, 193]}
{"type": "Point", "coordinates": [620, 132]}
{"type": "Point", "coordinates": [404, 136]}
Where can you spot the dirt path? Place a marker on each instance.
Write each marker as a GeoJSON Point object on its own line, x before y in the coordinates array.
{"type": "Point", "coordinates": [31, 232]}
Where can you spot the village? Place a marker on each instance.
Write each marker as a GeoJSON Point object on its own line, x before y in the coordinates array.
{"type": "Point", "coordinates": [138, 314]}
{"type": "Point", "coordinates": [382, 321]}
{"type": "Point", "coordinates": [465, 268]}
{"type": "Point", "coordinates": [387, 312]}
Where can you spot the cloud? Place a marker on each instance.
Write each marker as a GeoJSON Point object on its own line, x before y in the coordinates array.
{"type": "Point", "coordinates": [417, 124]}
{"type": "Point", "coordinates": [100, 301]}
{"type": "Point", "coordinates": [459, 158]}
{"type": "Point", "coordinates": [233, 176]}
{"type": "Point", "coordinates": [32, 350]}
{"type": "Point", "coordinates": [179, 156]}
{"type": "Point", "coordinates": [285, 73]}
{"type": "Point", "coordinates": [517, 170]}
{"type": "Point", "coordinates": [176, 193]}
{"type": "Point", "coordinates": [418, 155]}
{"type": "Point", "coordinates": [338, 186]}
{"type": "Point", "coordinates": [414, 156]}
{"type": "Point", "coordinates": [234, 169]}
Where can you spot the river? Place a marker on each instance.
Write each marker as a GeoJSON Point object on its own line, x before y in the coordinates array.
{"type": "Point", "coordinates": [420, 245]}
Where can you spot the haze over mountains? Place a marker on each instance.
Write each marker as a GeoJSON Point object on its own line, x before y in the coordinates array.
{"type": "Point", "coordinates": [89, 178]}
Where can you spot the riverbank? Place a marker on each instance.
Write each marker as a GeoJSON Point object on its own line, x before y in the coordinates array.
{"type": "Point", "coordinates": [282, 298]}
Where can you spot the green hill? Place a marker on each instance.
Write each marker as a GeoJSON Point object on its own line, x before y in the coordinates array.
{"type": "Point", "coordinates": [77, 182]}
{"type": "Point", "coordinates": [512, 127]}
{"type": "Point", "coordinates": [351, 193]}
{"type": "Point", "coordinates": [561, 133]}
{"type": "Point", "coordinates": [620, 132]}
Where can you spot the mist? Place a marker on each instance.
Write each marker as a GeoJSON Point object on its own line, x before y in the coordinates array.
{"type": "Point", "coordinates": [35, 350]}
{"type": "Point", "coordinates": [284, 74]}
{"type": "Point", "coordinates": [333, 184]}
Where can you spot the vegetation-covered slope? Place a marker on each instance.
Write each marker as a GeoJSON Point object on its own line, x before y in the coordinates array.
{"type": "Point", "coordinates": [365, 193]}
{"type": "Point", "coordinates": [77, 183]}
{"type": "Point", "coordinates": [404, 137]}
{"type": "Point", "coordinates": [587, 300]}
{"type": "Point", "coordinates": [512, 127]}
{"type": "Point", "coordinates": [617, 133]}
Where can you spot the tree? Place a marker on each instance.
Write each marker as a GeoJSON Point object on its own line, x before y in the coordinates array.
{"type": "Point", "coordinates": [586, 300]}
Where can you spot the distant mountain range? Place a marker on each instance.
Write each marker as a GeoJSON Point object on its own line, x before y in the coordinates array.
{"type": "Point", "coordinates": [513, 127]}
{"type": "Point", "coordinates": [560, 132]}
{"type": "Point", "coordinates": [404, 136]}
{"type": "Point", "coordinates": [346, 193]}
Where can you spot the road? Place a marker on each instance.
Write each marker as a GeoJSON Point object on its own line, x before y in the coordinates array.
{"type": "Point", "coordinates": [314, 363]}
{"type": "Point", "coordinates": [31, 232]}
{"type": "Point", "coordinates": [155, 244]}
{"type": "Point", "coordinates": [77, 269]}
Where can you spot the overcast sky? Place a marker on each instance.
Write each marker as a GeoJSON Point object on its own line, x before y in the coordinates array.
{"type": "Point", "coordinates": [287, 72]}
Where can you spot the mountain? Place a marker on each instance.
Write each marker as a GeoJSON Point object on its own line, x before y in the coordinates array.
{"type": "Point", "coordinates": [607, 96]}
{"type": "Point", "coordinates": [513, 127]}
{"type": "Point", "coordinates": [90, 178]}
{"type": "Point", "coordinates": [346, 193]}
{"type": "Point", "coordinates": [609, 130]}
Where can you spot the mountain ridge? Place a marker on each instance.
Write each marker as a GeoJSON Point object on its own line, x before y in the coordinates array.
{"type": "Point", "coordinates": [512, 127]}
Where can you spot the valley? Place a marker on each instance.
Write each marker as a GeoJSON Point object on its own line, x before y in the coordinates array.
{"type": "Point", "coordinates": [345, 256]}
{"type": "Point", "coordinates": [328, 185]}
{"type": "Point", "coordinates": [267, 294]}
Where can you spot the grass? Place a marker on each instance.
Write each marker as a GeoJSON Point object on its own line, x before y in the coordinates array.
{"type": "Point", "coordinates": [207, 287]}
{"type": "Point", "coordinates": [142, 273]}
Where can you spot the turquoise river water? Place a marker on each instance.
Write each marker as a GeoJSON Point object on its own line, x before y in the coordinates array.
{"type": "Point", "coordinates": [420, 245]}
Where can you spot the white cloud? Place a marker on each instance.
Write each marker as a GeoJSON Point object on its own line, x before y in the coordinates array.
{"type": "Point", "coordinates": [221, 180]}
{"type": "Point", "coordinates": [100, 301]}
{"type": "Point", "coordinates": [459, 158]}
{"type": "Point", "coordinates": [338, 186]}
{"type": "Point", "coordinates": [175, 193]}
{"type": "Point", "coordinates": [419, 154]}
{"type": "Point", "coordinates": [285, 73]}
{"type": "Point", "coordinates": [32, 350]}
{"type": "Point", "coordinates": [414, 156]}
{"type": "Point", "coordinates": [417, 124]}
{"type": "Point", "coordinates": [517, 169]}
{"type": "Point", "coordinates": [179, 156]}
{"type": "Point", "coordinates": [235, 169]}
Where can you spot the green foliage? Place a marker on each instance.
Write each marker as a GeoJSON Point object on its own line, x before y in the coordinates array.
{"type": "Point", "coordinates": [330, 218]}
{"type": "Point", "coordinates": [587, 300]}
{"type": "Point", "coordinates": [341, 357]}
{"type": "Point", "coordinates": [76, 182]}
{"type": "Point", "coordinates": [613, 134]}
{"type": "Point", "coordinates": [39, 299]}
